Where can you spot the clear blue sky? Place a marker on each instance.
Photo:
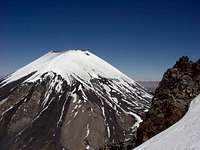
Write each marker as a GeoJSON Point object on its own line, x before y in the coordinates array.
{"type": "Point", "coordinates": [140, 37]}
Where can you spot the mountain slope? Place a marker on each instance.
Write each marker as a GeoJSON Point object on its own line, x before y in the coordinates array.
{"type": "Point", "coordinates": [184, 135]}
{"type": "Point", "coordinates": [69, 100]}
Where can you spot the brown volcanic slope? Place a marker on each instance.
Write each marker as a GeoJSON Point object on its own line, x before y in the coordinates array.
{"type": "Point", "coordinates": [69, 100]}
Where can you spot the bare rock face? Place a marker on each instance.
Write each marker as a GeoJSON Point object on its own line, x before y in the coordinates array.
{"type": "Point", "coordinates": [58, 111]}
{"type": "Point", "coordinates": [179, 86]}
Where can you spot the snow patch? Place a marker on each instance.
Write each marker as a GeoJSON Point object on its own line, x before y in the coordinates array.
{"type": "Point", "coordinates": [115, 99]}
{"type": "Point", "coordinates": [108, 130]}
{"type": "Point", "coordinates": [87, 132]}
{"type": "Point", "coordinates": [138, 119]}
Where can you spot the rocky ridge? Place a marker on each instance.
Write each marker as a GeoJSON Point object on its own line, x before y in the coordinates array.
{"type": "Point", "coordinates": [180, 84]}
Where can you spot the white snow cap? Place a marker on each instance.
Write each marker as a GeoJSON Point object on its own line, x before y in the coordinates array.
{"type": "Point", "coordinates": [184, 135]}
{"type": "Point", "coordinates": [83, 64]}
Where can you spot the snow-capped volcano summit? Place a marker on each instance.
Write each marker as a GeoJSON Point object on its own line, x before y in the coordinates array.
{"type": "Point", "coordinates": [69, 100]}
{"type": "Point", "coordinates": [70, 63]}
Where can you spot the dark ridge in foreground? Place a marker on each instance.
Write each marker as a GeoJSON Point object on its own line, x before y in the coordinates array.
{"type": "Point", "coordinates": [180, 84]}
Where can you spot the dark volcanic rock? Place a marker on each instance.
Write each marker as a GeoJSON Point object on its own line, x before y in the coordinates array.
{"type": "Point", "coordinates": [179, 86]}
{"type": "Point", "coordinates": [51, 114]}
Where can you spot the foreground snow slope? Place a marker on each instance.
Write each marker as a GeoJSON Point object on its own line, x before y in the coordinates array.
{"type": "Point", "coordinates": [184, 135]}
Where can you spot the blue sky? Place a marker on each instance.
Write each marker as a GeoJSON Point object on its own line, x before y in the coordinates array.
{"type": "Point", "coordinates": [142, 38]}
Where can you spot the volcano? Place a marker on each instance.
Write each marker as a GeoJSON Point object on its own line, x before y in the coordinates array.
{"type": "Point", "coordinates": [69, 100]}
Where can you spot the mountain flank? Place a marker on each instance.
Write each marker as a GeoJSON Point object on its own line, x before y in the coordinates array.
{"type": "Point", "coordinates": [70, 100]}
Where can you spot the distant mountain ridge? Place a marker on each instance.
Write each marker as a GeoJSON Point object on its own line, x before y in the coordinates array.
{"type": "Point", "coordinates": [150, 85]}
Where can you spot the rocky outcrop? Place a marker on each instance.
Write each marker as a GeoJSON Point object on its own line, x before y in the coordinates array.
{"type": "Point", "coordinates": [179, 86]}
